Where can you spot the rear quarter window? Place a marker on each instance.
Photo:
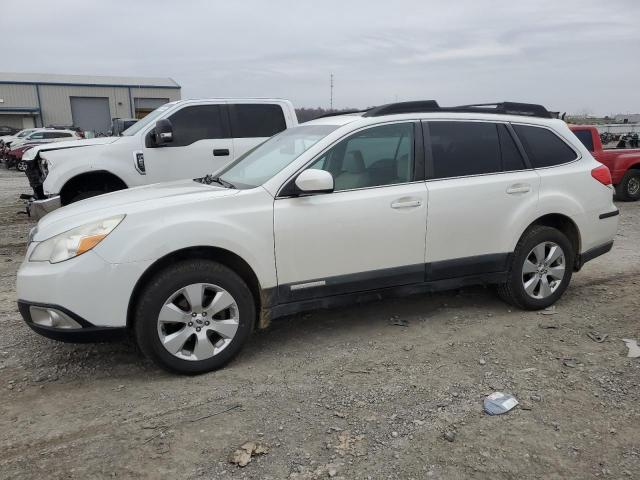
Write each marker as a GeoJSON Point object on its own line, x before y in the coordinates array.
{"type": "Point", "coordinates": [543, 147]}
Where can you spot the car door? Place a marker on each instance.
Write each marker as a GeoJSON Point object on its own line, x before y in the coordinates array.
{"type": "Point", "coordinates": [370, 231]}
{"type": "Point", "coordinates": [253, 123]}
{"type": "Point", "coordinates": [481, 194]}
{"type": "Point", "coordinates": [201, 145]}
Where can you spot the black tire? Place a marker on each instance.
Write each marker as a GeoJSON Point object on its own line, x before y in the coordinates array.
{"type": "Point", "coordinates": [513, 290]}
{"type": "Point", "coordinates": [86, 194]}
{"type": "Point", "coordinates": [168, 281]}
{"type": "Point", "coordinates": [628, 190]}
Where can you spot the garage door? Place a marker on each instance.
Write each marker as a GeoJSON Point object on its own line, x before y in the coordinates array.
{"type": "Point", "coordinates": [91, 113]}
{"type": "Point", "coordinates": [143, 106]}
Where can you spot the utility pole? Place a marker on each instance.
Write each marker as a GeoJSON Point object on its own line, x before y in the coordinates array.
{"type": "Point", "coordinates": [331, 98]}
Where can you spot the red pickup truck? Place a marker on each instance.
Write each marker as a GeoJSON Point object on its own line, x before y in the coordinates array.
{"type": "Point", "coordinates": [624, 163]}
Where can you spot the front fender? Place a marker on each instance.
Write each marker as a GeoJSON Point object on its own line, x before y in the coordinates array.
{"type": "Point", "coordinates": [241, 224]}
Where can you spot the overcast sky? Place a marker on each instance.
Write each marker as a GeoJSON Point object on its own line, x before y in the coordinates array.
{"type": "Point", "coordinates": [570, 55]}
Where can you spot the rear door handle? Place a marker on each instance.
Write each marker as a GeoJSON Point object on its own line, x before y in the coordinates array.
{"type": "Point", "coordinates": [405, 203]}
{"type": "Point", "coordinates": [519, 188]}
{"type": "Point", "coordinates": [221, 152]}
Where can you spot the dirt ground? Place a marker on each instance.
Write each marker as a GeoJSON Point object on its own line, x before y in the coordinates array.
{"type": "Point", "coordinates": [345, 393]}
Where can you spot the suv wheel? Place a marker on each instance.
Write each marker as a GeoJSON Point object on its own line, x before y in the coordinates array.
{"type": "Point", "coordinates": [629, 187]}
{"type": "Point", "coordinates": [541, 269]}
{"type": "Point", "coordinates": [194, 316]}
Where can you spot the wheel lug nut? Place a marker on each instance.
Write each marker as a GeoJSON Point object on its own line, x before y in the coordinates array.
{"type": "Point", "coordinates": [194, 314]}
{"type": "Point", "coordinates": [190, 324]}
{"type": "Point", "coordinates": [198, 329]}
{"type": "Point", "coordinates": [207, 322]}
{"type": "Point", "coordinates": [204, 314]}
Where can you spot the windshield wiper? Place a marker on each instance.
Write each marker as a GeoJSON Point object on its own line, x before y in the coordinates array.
{"type": "Point", "coordinates": [209, 179]}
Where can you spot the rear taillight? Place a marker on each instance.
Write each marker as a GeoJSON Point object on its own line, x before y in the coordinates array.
{"type": "Point", "coordinates": [602, 174]}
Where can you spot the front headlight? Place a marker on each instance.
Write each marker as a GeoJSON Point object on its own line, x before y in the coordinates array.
{"type": "Point", "coordinates": [29, 154]}
{"type": "Point", "coordinates": [74, 242]}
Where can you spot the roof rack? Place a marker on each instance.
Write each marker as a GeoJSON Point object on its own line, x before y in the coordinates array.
{"type": "Point", "coordinates": [505, 108]}
{"type": "Point", "coordinates": [334, 114]}
{"type": "Point", "coordinates": [403, 107]}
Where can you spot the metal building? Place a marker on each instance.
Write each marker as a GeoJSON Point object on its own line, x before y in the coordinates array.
{"type": "Point", "coordinates": [88, 102]}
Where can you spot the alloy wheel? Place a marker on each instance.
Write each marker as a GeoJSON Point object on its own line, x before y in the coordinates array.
{"type": "Point", "coordinates": [543, 270]}
{"type": "Point", "coordinates": [198, 321]}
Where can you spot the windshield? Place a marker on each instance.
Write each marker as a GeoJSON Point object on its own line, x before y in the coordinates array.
{"type": "Point", "coordinates": [152, 117]}
{"type": "Point", "coordinates": [24, 133]}
{"type": "Point", "coordinates": [260, 164]}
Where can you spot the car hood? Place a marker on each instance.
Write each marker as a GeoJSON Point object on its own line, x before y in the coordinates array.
{"type": "Point", "coordinates": [133, 200]}
{"type": "Point", "coordinates": [76, 143]}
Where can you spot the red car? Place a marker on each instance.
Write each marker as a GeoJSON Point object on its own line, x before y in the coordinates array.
{"type": "Point", "coordinates": [14, 156]}
{"type": "Point", "coordinates": [624, 163]}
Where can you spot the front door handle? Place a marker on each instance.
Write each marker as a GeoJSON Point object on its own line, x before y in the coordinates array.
{"type": "Point", "coordinates": [519, 188]}
{"type": "Point", "coordinates": [221, 152]}
{"type": "Point", "coordinates": [406, 203]}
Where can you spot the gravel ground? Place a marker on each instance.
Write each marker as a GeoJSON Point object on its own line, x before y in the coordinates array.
{"type": "Point", "coordinates": [344, 393]}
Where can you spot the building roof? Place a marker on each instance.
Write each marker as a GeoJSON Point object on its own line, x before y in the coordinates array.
{"type": "Point", "coordinates": [86, 80]}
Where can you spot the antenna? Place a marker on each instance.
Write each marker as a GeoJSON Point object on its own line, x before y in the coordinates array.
{"type": "Point", "coordinates": [331, 98]}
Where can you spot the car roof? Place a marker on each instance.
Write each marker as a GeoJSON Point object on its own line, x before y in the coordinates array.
{"type": "Point", "coordinates": [340, 120]}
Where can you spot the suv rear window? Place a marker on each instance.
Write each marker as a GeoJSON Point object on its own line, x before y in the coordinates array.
{"type": "Point", "coordinates": [544, 148]}
{"type": "Point", "coordinates": [256, 120]}
{"type": "Point", "coordinates": [585, 137]}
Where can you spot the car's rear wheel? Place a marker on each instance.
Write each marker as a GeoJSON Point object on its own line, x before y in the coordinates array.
{"type": "Point", "coordinates": [194, 316]}
{"type": "Point", "coordinates": [541, 269]}
{"type": "Point", "coordinates": [22, 166]}
{"type": "Point", "coordinates": [628, 189]}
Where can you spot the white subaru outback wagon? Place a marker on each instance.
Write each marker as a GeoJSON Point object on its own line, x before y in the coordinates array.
{"type": "Point", "coordinates": [404, 198]}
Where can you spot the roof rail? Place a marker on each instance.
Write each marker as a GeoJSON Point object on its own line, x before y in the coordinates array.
{"type": "Point", "coordinates": [506, 108]}
{"type": "Point", "coordinates": [403, 107]}
{"type": "Point", "coordinates": [336, 113]}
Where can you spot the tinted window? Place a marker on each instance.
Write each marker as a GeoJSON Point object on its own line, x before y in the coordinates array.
{"type": "Point", "coordinates": [36, 136]}
{"type": "Point", "coordinates": [585, 137]}
{"type": "Point", "coordinates": [543, 147]}
{"type": "Point", "coordinates": [56, 134]}
{"type": "Point", "coordinates": [256, 120]}
{"type": "Point", "coordinates": [376, 156]}
{"type": "Point", "coordinates": [464, 148]}
{"type": "Point", "coordinates": [511, 158]}
{"type": "Point", "coordinates": [196, 123]}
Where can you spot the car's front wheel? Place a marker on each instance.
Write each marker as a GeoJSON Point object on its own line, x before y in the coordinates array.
{"type": "Point", "coordinates": [194, 316]}
{"type": "Point", "coordinates": [21, 166]}
{"type": "Point", "coordinates": [541, 269]}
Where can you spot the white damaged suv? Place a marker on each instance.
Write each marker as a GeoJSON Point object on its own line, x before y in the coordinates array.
{"type": "Point", "coordinates": [404, 198]}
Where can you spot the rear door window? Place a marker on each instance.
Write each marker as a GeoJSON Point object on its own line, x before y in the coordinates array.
{"type": "Point", "coordinates": [198, 122]}
{"type": "Point", "coordinates": [464, 148]}
{"type": "Point", "coordinates": [511, 158]}
{"type": "Point", "coordinates": [256, 120]}
{"type": "Point", "coordinates": [544, 148]}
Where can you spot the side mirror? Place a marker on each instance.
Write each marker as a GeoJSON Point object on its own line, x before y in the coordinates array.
{"type": "Point", "coordinates": [163, 132]}
{"type": "Point", "coordinates": [315, 181]}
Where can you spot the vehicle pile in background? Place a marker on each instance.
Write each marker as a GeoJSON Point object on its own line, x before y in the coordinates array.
{"type": "Point", "coordinates": [12, 147]}
{"type": "Point", "coordinates": [14, 143]}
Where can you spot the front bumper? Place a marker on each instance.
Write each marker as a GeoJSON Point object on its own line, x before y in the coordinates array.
{"type": "Point", "coordinates": [42, 319]}
{"type": "Point", "coordinates": [88, 289]}
{"type": "Point", "coordinates": [39, 208]}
